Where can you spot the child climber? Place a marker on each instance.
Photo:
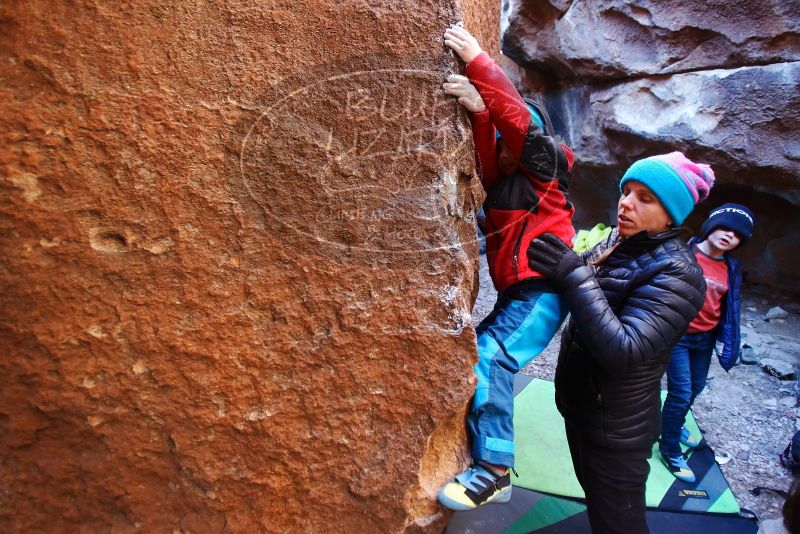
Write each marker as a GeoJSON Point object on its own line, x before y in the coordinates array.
{"type": "Point", "coordinates": [525, 172]}
{"type": "Point", "coordinates": [727, 228]}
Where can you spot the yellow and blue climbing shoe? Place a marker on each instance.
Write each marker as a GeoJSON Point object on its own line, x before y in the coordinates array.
{"type": "Point", "coordinates": [677, 466]}
{"type": "Point", "coordinates": [476, 486]}
{"type": "Point", "coordinates": [687, 439]}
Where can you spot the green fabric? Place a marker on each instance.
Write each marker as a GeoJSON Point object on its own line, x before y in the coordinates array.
{"type": "Point", "coordinates": [544, 463]}
{"type": "Point", "coordinates": [725, 503]}
{"type": "Point", "coordinates": [542, 460]}
{"type": "Point", "coordinates": [546, 512]}
{"type": "Point", "coordinates": [586, 239]}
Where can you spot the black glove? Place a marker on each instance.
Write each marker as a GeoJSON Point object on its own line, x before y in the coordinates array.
{"type": "Point", "coordinates": [554, 259]}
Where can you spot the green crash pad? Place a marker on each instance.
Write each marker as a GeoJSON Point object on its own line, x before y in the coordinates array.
{"type": "Point", "coordinates": [544, 464]}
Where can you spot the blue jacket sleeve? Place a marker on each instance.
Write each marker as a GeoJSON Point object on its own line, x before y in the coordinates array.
{"type": "Point", "coordinates": [729, 332]}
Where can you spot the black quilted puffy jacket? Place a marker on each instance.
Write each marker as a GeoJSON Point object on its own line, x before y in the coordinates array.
{"type": "Point", "coordinates": [626, 317]}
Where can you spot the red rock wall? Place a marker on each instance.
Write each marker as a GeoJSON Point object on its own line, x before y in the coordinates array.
{"type": "Point", "coordinates": [238, 263]}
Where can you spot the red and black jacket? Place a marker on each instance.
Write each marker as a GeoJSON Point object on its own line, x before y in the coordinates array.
{"type": "Point", "coordinates": [531, 201]}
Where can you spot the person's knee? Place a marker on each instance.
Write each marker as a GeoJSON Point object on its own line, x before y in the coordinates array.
{"type": "Point", "coordinates": [679, 398]}
{"type": "Point", "coordinates": [697, 389]}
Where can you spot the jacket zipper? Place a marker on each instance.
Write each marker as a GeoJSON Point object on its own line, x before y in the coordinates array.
{"type": "Point", "coordinates": [516, 249]}
{"type": "Point", "coordinates": [597, 388]}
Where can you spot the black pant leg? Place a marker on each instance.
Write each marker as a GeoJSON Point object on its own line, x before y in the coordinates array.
{"type": "Point", "coordinates": [614, 483]}
{"type": "Point", "coordinates": [574, 442]}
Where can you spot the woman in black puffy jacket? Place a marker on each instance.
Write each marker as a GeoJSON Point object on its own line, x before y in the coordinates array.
{"type": "Point", "coordinates": [631, 299]}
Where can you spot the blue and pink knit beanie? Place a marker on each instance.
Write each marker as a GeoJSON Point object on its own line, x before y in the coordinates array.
{"type": "Point", "coordinates": [678, 182]}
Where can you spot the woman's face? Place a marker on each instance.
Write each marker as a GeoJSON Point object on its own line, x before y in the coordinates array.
{"type": "Point", "coordinates": [639, 209]}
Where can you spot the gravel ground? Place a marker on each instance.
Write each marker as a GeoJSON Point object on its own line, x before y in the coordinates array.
{"type": "Point", "coordinates": [747, 414]}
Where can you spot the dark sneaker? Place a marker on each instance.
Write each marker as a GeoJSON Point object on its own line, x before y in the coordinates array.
{"type": "Point", "coordinates": [677, 466]}
{"type": "Point", "coordinates": [476, 486]}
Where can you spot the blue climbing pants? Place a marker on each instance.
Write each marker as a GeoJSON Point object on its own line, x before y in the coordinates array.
{"type": "Point", "coordinates": [686, 377]}
{"type": "Point", "coordinates": [524, 320]}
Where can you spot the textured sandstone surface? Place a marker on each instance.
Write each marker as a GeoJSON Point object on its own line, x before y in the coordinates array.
{"type": "Point", "coordinates": [238, 264]}
{"type": "Point", "coordinates": [717, 80]}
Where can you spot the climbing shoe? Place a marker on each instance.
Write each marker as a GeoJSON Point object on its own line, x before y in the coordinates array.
{"type": "Point", "coordinates": [687, 439]}
{"type": "Point", "coordinates": [678, 467]}
{"type": "Point", "coordinates": [476, 486]}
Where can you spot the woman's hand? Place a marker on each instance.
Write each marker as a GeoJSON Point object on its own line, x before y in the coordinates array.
{"type": "Point", "coordinates": [468, 95]}
{"type": "Point", "coordinates": [553, 258]}
{"type": "Point", "coordinates": [460, 40]}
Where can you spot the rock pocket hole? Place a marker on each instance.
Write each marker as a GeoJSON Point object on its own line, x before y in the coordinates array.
{"type": "Point", "coordinates": [108, 241]}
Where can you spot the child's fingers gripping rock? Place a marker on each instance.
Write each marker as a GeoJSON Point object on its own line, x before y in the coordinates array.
{"type": "Point", "coordinates": [457, 89]}
{"type": "Point", "coordinates": [457, 78]}
{"type": "Point", "coordinates": [470, 100]}
{"type": "Point", "coordinates": [470, 42]}
{"type": "Point", "coordinates": [474, 104]}
{"type": "Point", "coordinates": [468, 95]}
{"type": "Point", "coordinates": [453, 42]}
{"type": "Point", "coordinates": [464, 44]}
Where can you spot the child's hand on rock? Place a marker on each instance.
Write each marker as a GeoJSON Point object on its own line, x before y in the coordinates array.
{"type": "Point", "coordinates": [460, 40]}
{"type": "Point", "coordinates": [468, 96]}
